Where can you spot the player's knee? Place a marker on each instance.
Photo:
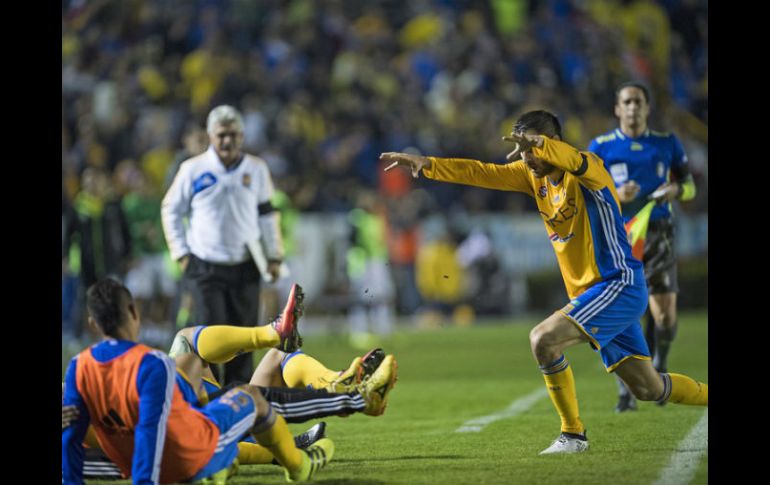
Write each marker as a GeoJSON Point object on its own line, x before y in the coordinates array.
{"type": "Point", "coordinates": [182, 343]}
{"type": "Point", "coordinates": [540, 340]}
{"type": "Point", "coordinates": [666, 318]}
{"type": "Point", "coordinates": [544, 346]}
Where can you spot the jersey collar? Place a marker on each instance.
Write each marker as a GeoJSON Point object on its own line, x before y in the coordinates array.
{"type": "Point", "coordinates": [623, 136]}
{"type": "Point", "coordinates": [233, 167]}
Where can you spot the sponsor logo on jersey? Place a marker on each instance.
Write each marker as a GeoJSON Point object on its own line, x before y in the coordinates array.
{"type": "Point", "coordinates": [594, 330]}
{"type": "Point", "coordinates": [562, 214]}
{"type": "Point", "coordinates": [555, 237]}
{"type": "Point", "coordinates": [542, 191]}
{"type": "Point", "coordinates": [636, 147]}
{"type": "Point", "coordinates": [203, 182]}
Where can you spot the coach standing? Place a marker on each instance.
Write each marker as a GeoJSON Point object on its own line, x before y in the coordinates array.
{"type": "Point", "coordinates": [232, 225]}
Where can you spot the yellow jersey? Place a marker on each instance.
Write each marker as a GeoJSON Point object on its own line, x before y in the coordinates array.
{"type": "Point", "coordinates": [581, 213]}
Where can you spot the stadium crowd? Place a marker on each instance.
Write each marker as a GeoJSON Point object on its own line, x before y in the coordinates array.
{"type": "Point", "coordinates": [325, 86]}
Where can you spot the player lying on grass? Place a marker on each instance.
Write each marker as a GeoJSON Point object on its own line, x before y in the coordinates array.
{"type": "Point", "coordinates": [577, 199]}
{"type": "Point", "coordinates": [370, 379]}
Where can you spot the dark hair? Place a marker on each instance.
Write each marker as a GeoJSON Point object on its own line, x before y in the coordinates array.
{"type": "Point", "coordinates": [634, 84]}
{"type": "Point", "coordinates": [107, 302]}
{"type": "Point", "coordinates": [543, 122]}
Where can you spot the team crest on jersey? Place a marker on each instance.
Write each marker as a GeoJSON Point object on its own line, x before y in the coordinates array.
{"type": "Point", "coordinates": [542, 191]}
{"type": "Point", "coordinates": [594, 330]}
{"type": "Point", "coordinates": [246, 180]}
{"type": "Point", "coordinates": [555, 237]}
{"type": "Point", "coordinates": [636, 147]}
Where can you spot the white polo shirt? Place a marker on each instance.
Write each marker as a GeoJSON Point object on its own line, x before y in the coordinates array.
{"type": "Point", "coordinates": [222, 206]}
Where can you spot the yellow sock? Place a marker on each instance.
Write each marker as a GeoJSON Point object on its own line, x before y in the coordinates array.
{"type": "Point", "coordinates": [561, 387]}
{"type": "Point", "coordinates": [221, 343]}
{"type": "Point", "coordinates": [300, 370]}
{"type": "Point", "coordinates": [253, 454]}
{"type": "Point", "coordinates": [274, 434]}
{"type": "Point", "coordinates": [686, 390]}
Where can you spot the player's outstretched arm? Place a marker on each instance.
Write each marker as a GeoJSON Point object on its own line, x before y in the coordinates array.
{"type": "Point", "coordinates": [587, 166]}
{"type": "Point", "coordinates": [414, 163]}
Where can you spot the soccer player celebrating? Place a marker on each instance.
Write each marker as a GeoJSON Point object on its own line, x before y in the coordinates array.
{"type": "Point", "coordinates": [144, 424]}
{"type": "Point", "coordinates": [577, 199]}
{"type": "Point", "coordinates": [648, 165]}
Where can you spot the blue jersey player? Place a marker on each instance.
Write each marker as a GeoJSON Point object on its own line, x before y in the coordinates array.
{"type": "Point", "coordinates": [648, 165]}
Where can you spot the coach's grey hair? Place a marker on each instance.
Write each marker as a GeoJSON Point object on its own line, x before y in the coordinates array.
{"type": "Point", "coordinates": [224, 114]}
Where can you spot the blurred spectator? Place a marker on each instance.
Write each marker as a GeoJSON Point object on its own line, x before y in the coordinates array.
{"type": "Point", "coordinates": [194, 142]}
{"type": "Point", "coordinates": [150, 278]}
{"type": "Point", "coordinates": [441, 279]}
{"type": "Point", "coordinates": [97, 232]}
{"type": "Point", "coordinates": [488, 285]}
{"type": "Point", "coordinates": [371, 285]}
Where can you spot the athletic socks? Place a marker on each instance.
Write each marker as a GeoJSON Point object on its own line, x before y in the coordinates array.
{"type": "Point", "coordinates": [222, 343]}
{"type": "Point", "coordinates": [301, 370]}
{"type": "Point", "coordinates": [561, 388]}
{"type": "Point", "coordinates": [681, 389]}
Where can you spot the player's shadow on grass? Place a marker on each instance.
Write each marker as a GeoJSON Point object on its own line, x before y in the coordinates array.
{"type": "Point", "coordinates": [401, 458]}
{"type": "Point", "coordinates": [348, 481]}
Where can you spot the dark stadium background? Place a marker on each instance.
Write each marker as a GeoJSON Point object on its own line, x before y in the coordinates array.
{"type": "Point", "coordinates": [325, 86]}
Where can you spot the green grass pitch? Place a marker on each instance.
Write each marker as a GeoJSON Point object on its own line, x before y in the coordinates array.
{"type": "Point", "coordinates": [451, 375]}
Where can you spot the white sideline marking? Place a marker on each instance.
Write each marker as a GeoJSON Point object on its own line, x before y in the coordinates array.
{"type": "Point", "coordinates": [517, 407]}
{"type": "Point", "coordinates": [685, 459]}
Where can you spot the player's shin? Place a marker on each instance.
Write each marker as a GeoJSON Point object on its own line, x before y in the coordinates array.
{"type": "Point", "coordinates": [561, 388]}
{"type": "Point", "coordinates": [301, 370]}
{"type": "Point", "coordinates": [272, 432]}
{"type": "Point", "coordinates": [222, 343]}
{"type": "Point", "coordinates": [253, 454]}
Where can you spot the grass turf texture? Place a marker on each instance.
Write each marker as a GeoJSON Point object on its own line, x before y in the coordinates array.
{"type": "Point", "coordinates": [452, 375]}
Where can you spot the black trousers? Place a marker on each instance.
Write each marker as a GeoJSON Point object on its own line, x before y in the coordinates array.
{"type": "Point", "coordinates": [301, 405]}
{"type": "Point", "coordinates": [225, 295]}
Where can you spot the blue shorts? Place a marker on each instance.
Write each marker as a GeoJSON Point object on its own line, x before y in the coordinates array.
{"type": "Point", "coordinates": [608, 313]}
{"type": "Point", "coordinates": [234, 414]}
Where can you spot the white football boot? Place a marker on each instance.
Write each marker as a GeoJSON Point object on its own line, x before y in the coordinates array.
{"type": "Point", "coordinates": [567, 443]}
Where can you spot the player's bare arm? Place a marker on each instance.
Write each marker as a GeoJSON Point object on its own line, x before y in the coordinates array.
{"type": "Point", "coordinates": [414, 163]}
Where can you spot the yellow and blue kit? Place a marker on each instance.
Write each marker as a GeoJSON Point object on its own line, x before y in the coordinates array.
{"type": "Point", "coordinates": [582, 216]}
{"type": "Point", "coordinates": [649, 160]}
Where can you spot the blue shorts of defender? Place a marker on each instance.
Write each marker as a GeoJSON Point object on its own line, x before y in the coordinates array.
{"type": "Point", "coordinates": [234, 414]}
{"type": "Point", "coordinates": [608, 313]}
